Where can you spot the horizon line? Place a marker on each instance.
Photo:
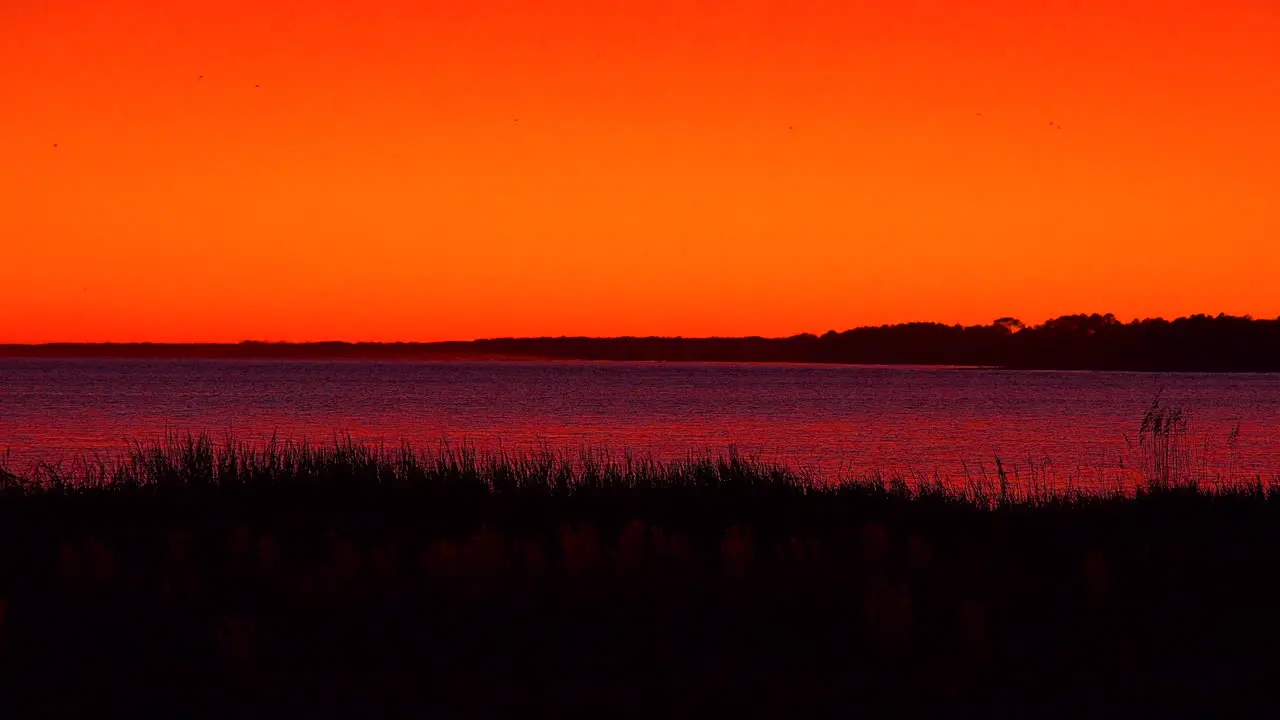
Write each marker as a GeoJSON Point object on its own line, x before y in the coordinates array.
{"type": "Point", "coordinates": [1019, 325]}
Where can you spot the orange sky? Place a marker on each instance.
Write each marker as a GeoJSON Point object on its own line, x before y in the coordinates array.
{"type": "Point", "coordinates": [677, 166]}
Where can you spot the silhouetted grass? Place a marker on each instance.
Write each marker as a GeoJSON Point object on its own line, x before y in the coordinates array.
{"type": "Point", "coordinates": [296, 577]}
{"type": "Point", "coordinates": [1166, 460]}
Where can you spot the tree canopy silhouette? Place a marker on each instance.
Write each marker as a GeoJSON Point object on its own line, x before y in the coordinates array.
{"type": "Point", "coordinates": [1198, 343]}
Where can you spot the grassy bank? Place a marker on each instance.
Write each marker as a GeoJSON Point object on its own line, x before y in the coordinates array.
{"type": "Point", "coordinates": [1162, 455]}
{"type": "Point", "coordinates": [194, 575]}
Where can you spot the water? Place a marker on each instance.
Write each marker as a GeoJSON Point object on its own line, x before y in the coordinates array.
{"type": "Point", "coordinates": [826, 418]}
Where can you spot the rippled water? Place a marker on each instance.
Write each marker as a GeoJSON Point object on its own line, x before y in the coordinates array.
{"type": "Point", "coordinates": [823, 417]}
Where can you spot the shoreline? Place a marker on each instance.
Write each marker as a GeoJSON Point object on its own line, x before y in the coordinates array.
{"type": "Point", "coordinates": [1198, 343]}
{"type": "Point", "coordinates": [205, 462]}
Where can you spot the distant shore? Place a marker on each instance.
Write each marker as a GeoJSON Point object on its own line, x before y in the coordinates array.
{"type": "Point", "coordinates": [1198, 343]}
{"type": "Point", "coordinates": [251, 351]}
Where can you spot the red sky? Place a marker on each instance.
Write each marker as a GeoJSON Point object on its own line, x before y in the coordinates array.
{"type": "Point", "coordinates": [423, 169]}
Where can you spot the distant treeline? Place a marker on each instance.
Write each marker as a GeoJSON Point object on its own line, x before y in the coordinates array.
{"type": "Point", "coordinates": [1199, 343]}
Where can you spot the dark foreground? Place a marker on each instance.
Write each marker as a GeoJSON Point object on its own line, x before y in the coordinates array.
{"type": "Point", "coordinates": [302, 583]}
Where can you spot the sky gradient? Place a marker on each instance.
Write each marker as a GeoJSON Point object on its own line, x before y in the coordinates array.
{"type": "Point", "coordinates": [428, 170]}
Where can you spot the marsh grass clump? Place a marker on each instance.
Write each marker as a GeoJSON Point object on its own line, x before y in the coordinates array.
{"type": "Point", "coordinates": [199, 463]}
{"type": "Point", "coordinates": [1167, 453]}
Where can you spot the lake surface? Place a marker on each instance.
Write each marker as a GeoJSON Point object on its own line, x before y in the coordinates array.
{"type": "Point", "coordinates": [827, 418]}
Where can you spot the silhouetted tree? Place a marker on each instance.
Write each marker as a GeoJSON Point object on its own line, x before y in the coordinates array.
{"type": "Point", "coordinates": [1078, 342]}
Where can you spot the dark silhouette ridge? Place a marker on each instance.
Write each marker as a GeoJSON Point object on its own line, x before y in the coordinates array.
{"type": "Point", "coordinates": [1199, 343]}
